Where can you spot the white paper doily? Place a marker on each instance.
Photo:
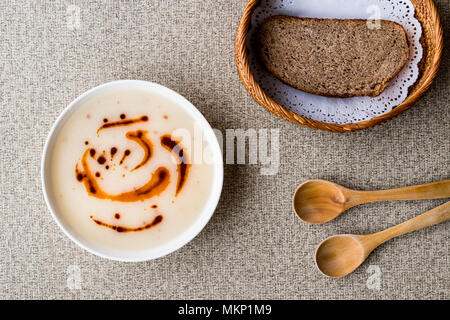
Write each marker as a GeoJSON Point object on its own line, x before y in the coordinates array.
{"type": "Point", "coordinates": [339, 110]}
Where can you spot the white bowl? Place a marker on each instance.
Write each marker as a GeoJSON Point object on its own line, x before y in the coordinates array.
{"type": "Point", "coordinates": [135, 255]}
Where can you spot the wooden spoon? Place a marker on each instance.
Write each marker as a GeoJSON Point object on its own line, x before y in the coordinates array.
{"type": "Point", "coordinates": [319, 201]}
{"type": "Point", "coordinates": [339, 255]}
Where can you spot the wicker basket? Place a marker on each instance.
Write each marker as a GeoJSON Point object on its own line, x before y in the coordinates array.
{"type": "Point", "coordinates": [432, 43]}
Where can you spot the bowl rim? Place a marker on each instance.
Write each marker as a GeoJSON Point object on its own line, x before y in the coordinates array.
{"type": "Point", "coordinates": [433, 46]}
{"type": "Point", "coordinates": [166, 248]}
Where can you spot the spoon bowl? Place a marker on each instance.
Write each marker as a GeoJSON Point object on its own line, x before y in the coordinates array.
{"type": "Point", "coordinates": [318, 201]}
{"type": "Point", "coordinates": [339, 255]}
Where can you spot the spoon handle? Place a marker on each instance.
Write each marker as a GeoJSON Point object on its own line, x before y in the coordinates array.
{"type": "Point", "coordinates": [429, 218]}
{"type": "Point", "coordinates": [435, 190]}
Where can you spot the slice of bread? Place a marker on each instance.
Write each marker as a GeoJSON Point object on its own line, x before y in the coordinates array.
{"type": "Point", "coordinates": [330, 57]}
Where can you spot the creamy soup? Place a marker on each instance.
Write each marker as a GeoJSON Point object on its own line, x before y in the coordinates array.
{"type": "Point", "coordinates": [122, 175]}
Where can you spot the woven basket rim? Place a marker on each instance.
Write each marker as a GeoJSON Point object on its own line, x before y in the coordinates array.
{"type": "Point", "coordinates": [432, 43]}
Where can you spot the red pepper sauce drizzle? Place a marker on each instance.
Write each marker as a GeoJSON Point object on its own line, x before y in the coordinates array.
{"type": "Point", "coordinates": [157, 183]}
{"type": "Point", "coordinates": [183, 167]}
{"type": "Point", "coordinates": [125, 122]}
{"type": "Point", "coordinates": [125, 154]}
{"type": "Point", "coordinates": [140, 138]}
{"type": "Point", "coordinates": [113, 152]}
{"type": "Point", "coordinates": [155, 221]}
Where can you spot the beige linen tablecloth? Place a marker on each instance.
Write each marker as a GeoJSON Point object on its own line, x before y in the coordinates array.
{"type": "Point", "coordinates": [254, 246]}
